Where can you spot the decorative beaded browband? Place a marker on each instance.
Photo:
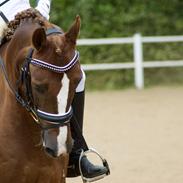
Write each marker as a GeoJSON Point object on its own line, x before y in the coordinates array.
{"type": "Point", "coordinates": [55, 68]}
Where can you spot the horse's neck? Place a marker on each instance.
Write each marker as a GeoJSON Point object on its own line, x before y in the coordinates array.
{"type": "Point", "coordinates": [17, 115]}
{"type": "Point", "coordinates": [14, 119]}
{"type": "Point", "coordinates": [3, 84]}
{"type": "Point", "coordinates": [6, 74]}
{"type": "Point", "coordinates": [22, 38]}
{"type": "Point", "coordinates": [10, 53]}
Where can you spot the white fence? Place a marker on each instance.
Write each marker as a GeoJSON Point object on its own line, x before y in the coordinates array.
{"type": "Point", "coordinates": [138, 65]}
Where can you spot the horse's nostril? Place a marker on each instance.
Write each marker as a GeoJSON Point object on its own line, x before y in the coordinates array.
{"type": "Point", "coordinates": [51, 152]}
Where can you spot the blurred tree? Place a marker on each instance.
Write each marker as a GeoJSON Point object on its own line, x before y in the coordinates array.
{"type": "Point", "coordinates": [109, 18]}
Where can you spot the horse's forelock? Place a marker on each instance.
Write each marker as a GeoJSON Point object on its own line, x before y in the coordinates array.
{"type": "Point", "coordinates": [29, 14]}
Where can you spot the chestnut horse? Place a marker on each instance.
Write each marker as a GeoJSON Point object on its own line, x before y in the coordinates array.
{"type": "Point", "coordinates": [39, 72]}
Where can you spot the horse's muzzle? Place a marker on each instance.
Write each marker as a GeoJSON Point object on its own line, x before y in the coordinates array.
{"type": "Point", "coordinates": [57, 142]}
{"type": "Point", "coordinates": [50, 143]}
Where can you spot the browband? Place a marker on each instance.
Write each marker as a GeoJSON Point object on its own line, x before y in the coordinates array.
{"type": "Point", "coordinates": [55, 68]}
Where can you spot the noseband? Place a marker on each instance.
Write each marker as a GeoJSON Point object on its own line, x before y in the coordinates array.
{"type": "Point", "coordinates": [55, 120]}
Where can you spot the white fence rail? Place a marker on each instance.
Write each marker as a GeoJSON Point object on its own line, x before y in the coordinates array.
{"type": "Point", "coordinates": [138, 65]}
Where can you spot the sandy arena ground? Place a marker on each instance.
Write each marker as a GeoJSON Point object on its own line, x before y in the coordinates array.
{"type": "Point", "coordinates": [139, 132]}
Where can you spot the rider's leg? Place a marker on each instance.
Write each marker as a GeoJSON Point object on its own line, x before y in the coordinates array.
{"type": "Point", "coordinates": [88, 169]}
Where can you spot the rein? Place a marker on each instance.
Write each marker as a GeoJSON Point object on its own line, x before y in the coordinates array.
{"type": "Point", "coordinates": [55, 120]}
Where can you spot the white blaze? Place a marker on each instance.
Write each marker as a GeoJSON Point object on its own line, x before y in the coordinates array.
{"type": "Point", "coordinates": [62, 138]}
{"type": "Point", "coordinates": [63, 95]}
{"type": "Point", "coordinates": [62, 104]}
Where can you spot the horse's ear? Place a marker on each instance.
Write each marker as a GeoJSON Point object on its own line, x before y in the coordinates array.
{"type": "Point", "coordinates": [39, 38]}
{"type": "Point", "coordinates": [72, 34]}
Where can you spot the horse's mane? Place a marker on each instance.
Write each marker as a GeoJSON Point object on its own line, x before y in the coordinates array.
{"type": "Point", "coordinates": [20, 17]}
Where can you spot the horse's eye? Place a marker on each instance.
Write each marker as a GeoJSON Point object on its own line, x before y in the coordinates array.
{"type": "Point", "coordinates": [41, 88]}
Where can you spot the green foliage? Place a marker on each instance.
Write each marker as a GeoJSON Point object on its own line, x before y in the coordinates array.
{"type": "Point", "coordinates": [117, 18]}
{"type": "Point", "coordinates": [110, 18]}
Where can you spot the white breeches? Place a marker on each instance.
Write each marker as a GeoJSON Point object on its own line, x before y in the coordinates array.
{"type": "Point", "coordinates": [3, 26]}
{"type": "Point", "coordinates": [12, 7]}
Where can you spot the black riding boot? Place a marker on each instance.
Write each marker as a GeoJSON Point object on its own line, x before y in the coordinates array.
{"type": "Point", "coordinates": [88, 169]}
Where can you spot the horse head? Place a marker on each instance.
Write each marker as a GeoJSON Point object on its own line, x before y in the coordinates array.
{"type": "Point", "coordinates": [47, 72]}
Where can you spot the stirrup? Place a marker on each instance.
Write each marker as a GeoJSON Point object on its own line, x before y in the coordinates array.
{"type": "Point", "coordinates": [104, 161]}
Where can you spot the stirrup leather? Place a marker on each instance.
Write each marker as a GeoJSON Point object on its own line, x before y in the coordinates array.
{"type": "Point", "coordinates": [104, 161]}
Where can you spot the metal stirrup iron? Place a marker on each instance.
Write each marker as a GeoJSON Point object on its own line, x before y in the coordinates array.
{"type": "Point", "coordinates": [104, 161]}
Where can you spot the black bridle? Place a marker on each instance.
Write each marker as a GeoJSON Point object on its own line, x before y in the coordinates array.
{"type": "Point", "coordinates": [55, 120]}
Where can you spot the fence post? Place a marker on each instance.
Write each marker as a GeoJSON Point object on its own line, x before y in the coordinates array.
{"type": "Point", "coordinates": [138, 61]}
